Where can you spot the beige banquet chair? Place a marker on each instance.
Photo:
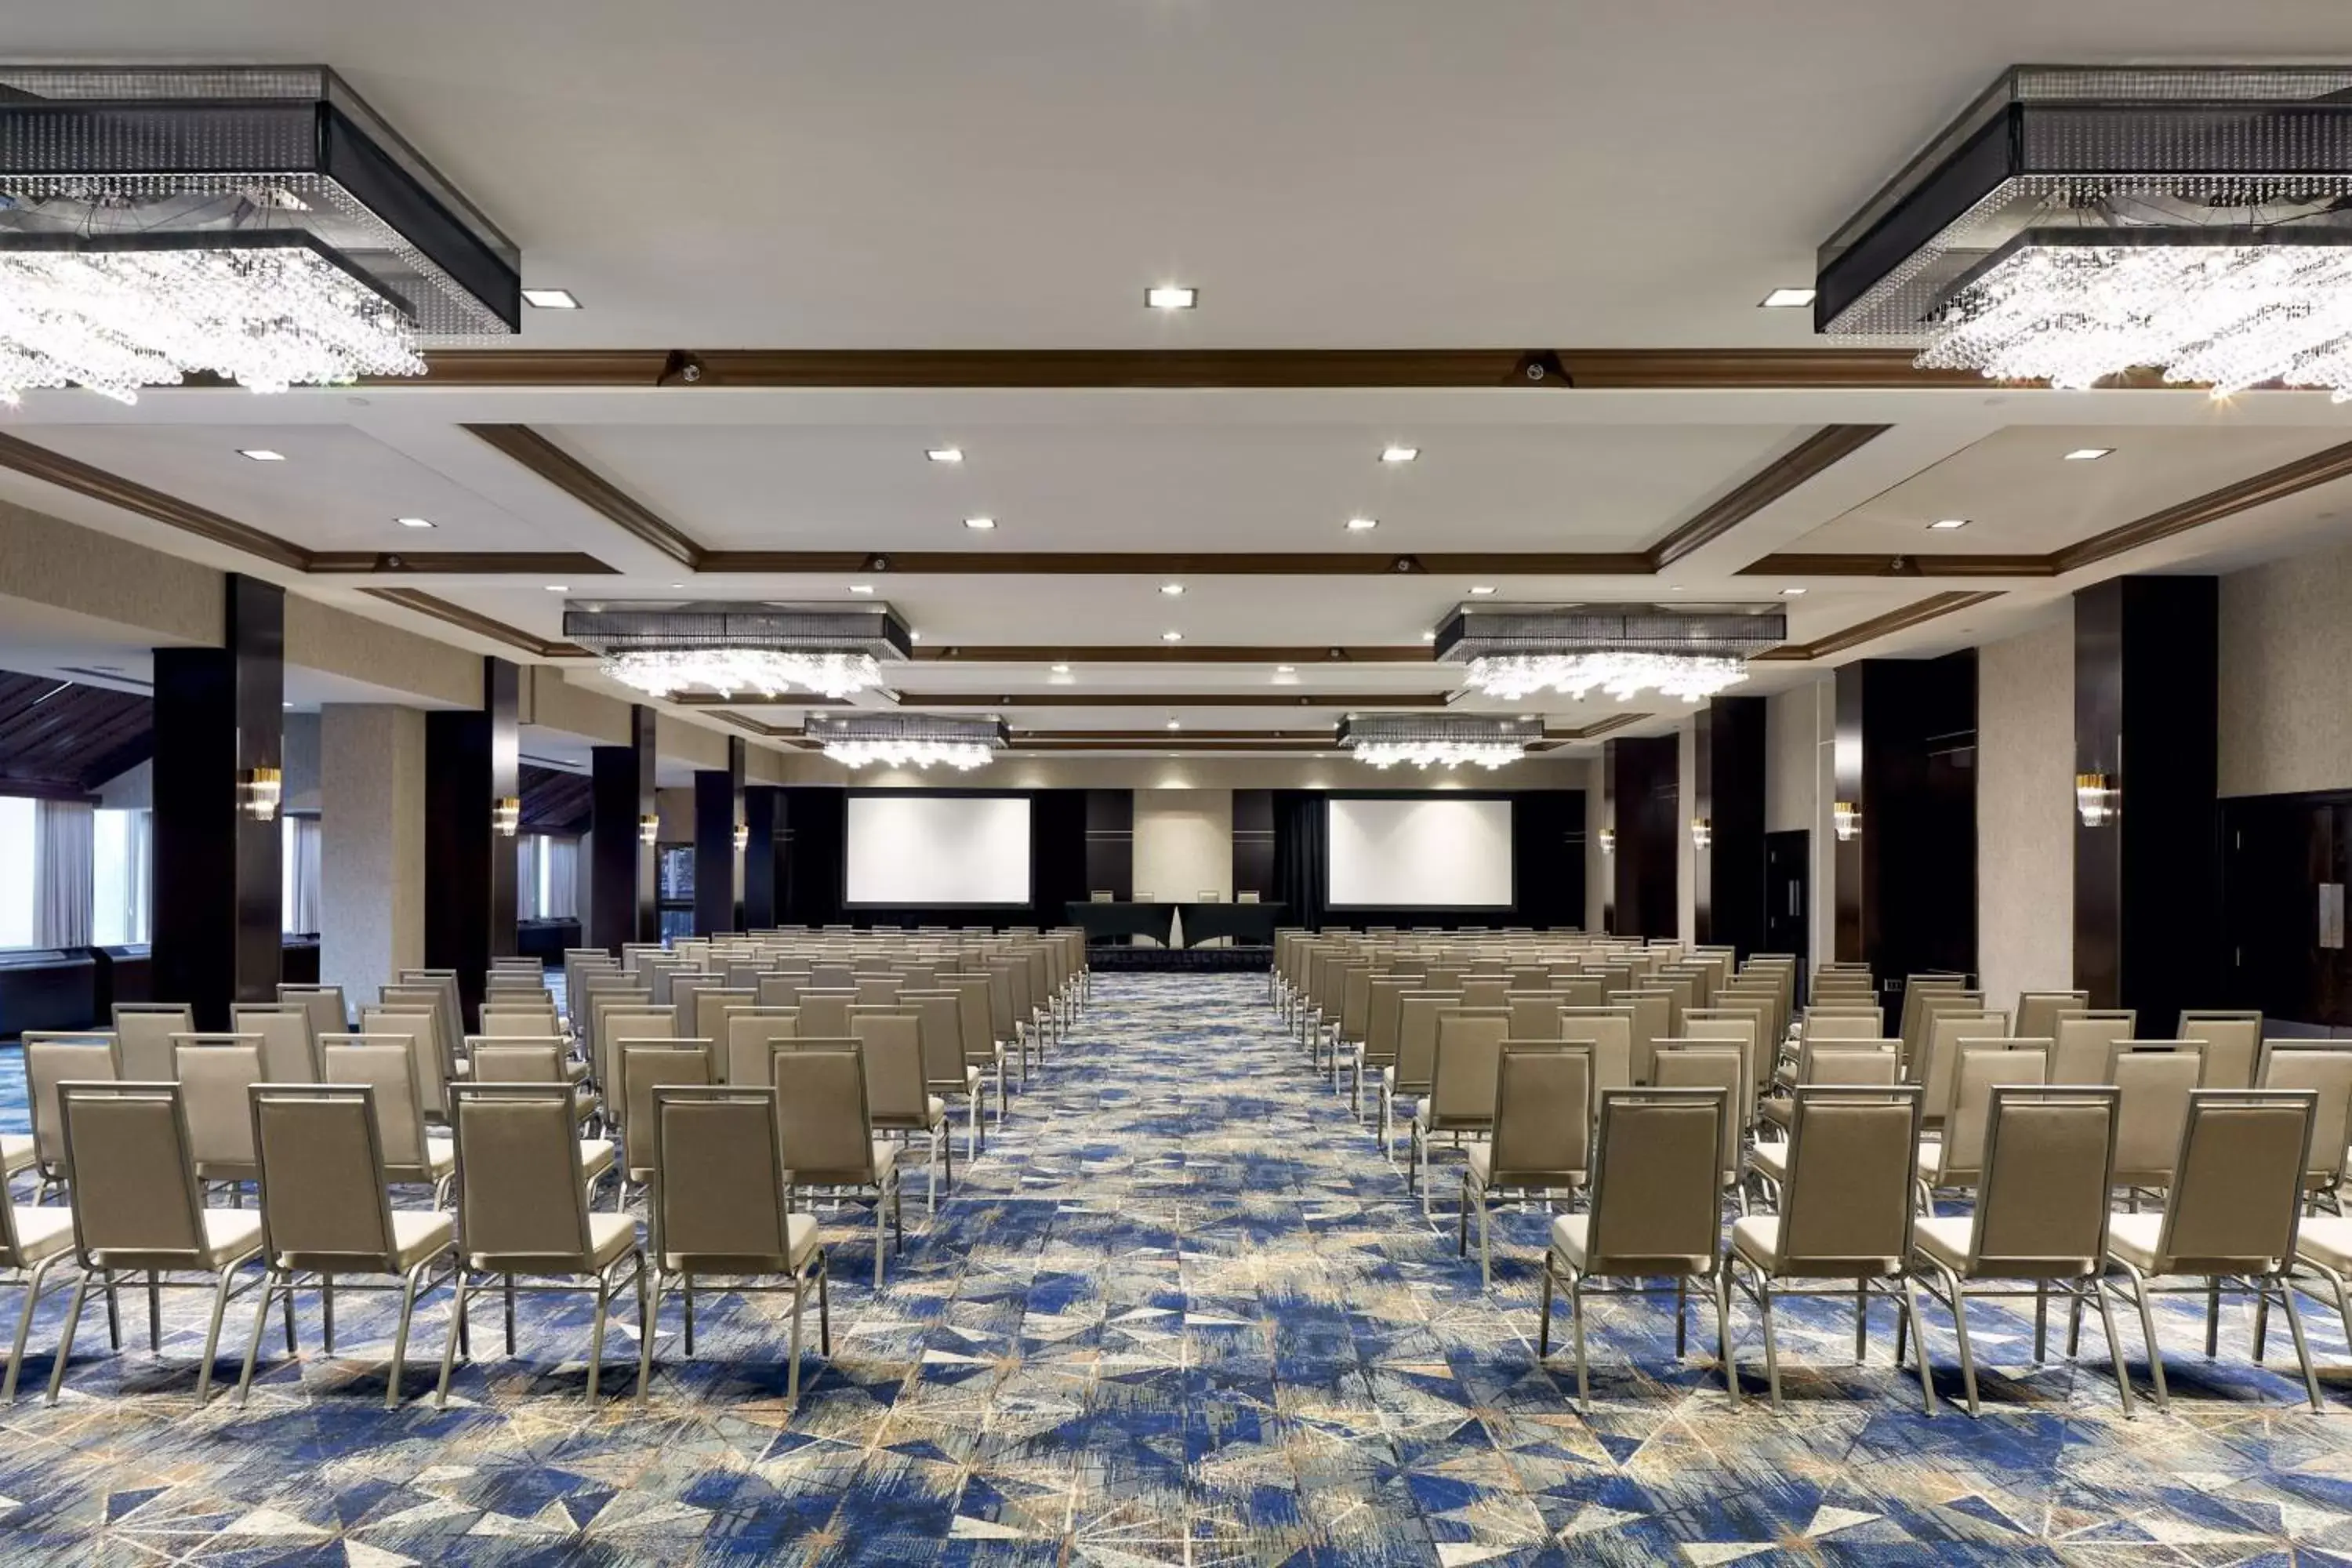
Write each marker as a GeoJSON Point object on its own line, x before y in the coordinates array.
{"type": "Point", "coordinates": [32, 1241]}
{"type": "Point", "coordinates": [828, 1132]}
{"type": "Point", "coordinates": [52, 1059]}
{"type": "Point", "coordinates": [142, 1033]}
{"type": "Point", "coordinates": [1461, 1099]}
{"type": "Point", "coordinates": [290, 1044]}
{"type": "Point", "coordinates": [215, 1073]}
{"type": "Point", "coordinates": [1540, 1146]}
{"type": "Point", "coordinates": [412, 1156]}
{"type": "Point", "coordinates": [2233, 1042]}
{"type": "Point", "coordinates": [2324, 1066]}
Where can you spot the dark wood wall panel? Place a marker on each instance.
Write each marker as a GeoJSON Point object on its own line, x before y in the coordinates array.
{"type": "Point", "coordinates": [470, 761]}
{"type": "Point", "coordinates": [1907, 749]}
{"type": "Point", "coordinates": [1253, 843]}
{"type": "Point", "coordinates": [1110, 842]}
{"type": "Point", "coordinates": [717, 876]}
{"type": "Point", "coordinates": [1729, 764]}
{"type": "Point", "coordinates": [621, 871]}
{"type": "Point", "coordinates": [763, 811]}
{"type": "Point", "coordinates": [1644, 793]}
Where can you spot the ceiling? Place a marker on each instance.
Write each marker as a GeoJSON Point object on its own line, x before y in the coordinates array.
{"type": "Point", "coordinates": [712, 177]}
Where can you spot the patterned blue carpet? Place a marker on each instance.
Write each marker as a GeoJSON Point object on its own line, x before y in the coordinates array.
{"type": "Point", "coordinates": [1180, 1313]}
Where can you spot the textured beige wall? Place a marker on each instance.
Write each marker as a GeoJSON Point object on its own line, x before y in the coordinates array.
{"type": "Point", "coordinates": [557, 704]}
{"type": "Point", "coordinates": [2025, 811]}
{"type": "Point", "coordinates": [372, 845]}
{"type": "Point", "coordinates": [680, 740]}
{"type": "Point", "coordinates": [323, 638]}
{"type": "Point", "coordinates": [160, 597]}
{"type": "Point", "coordinates": [2286, 660]}
{"type": "Point", "coordinates": [1686, 852]}
{"type": "Point", "coordinates": [1184, 842]}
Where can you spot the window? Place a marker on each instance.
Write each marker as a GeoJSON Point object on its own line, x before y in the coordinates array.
{"type": "Point", "coordinates": [298, 875]}
{"type": "Point", "coordinates": [122, 846]}
{"type": "Point", "coordinates": [17, 835]}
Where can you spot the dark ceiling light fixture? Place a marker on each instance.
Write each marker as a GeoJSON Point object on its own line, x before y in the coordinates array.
{"type": "Point", "coordinates": [2079, 222]}
{"type": "Point", "coordinates": [909, 740]}
{"type": "Point", "coordinates": [256, 223]}
{"type": "Point", "coordinates": [664, 647]}
{"type": "Point", "coordinates": [1515, 651]}
{"type": "Point", "coordinates": [1437, 739]}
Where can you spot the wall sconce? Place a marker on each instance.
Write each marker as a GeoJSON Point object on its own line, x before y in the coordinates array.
{"type": "Point", "coordinates": [1608, 841]}
{"type": "Point", "coordinates": [1702, 832]}
{"type": "Point", "coordinates": [649, 830]}
{"type": "Point", "coordinates": [506, 815]}
{"type": "Point", "coordinates": [1845, 820]}
{"type": "Point", "coordinates": [2096, 798]}
{"type": "Point", "coordinates": [742, 836]}
{"type": "Point", "coordinates": [259, 791]}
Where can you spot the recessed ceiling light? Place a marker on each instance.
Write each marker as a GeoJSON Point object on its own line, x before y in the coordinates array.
{"type": "Point", "coordinates": [1061, 670]}
{"type": "Point", "coordinates": [1174, 725]}
{"type": "Point", "coordinates": [678, 584]}
{"type": "Point", "coordinates": [861, 587]}
{"type": "Point", "coordinates": [1362, 524]}
{"type": "Point", "coordinates": [1946, 524]}
{"type": "Point", "coordinates": [413, 521]}
{"type": "Point", "coordinates": [913, 636]}
{"type": "Point", "coordinates": [558, 588]}
{"type": "Point", "coordinates": [981, 523]}
{"type": "Point", "coordinates": [1285, 670]}
{"type": "Point", "coordinates": [1791, 592]}
{"type": "Point", "coordinates": [1171, 297]}
{"type": "Point", "coordinates": [1480, 590]}
{"type": "Point", "coordinates": [1787, 300]}
{"type": "Point", "coordinates": [261, 454]}
{"type": "Point", "coordinates": [1429, 636]}
{"type": "Point", "coordinates": [1173, 590]}
{"type": "Point", "coordinates": [1398, 454]}
{"type": "Point", "coordinates": [550, 298]}
{"type": "Point", "coordinates": [2079, 455]}
{"type": "Point", "coordinates": [1171, 636]}
{"type": "Point", "coordinates": [945, 453]}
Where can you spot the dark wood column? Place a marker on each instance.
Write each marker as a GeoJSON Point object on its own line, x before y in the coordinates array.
{"type": "Point", "coordinates": [1110, 841]}
{"type": "Point", "coordinates": [764, 814]}
{"type": "Point", "coordinates": [217, 901]}
{"type": "Point", "coordinates": [1644, 787]}
{"type": "Point", "coordinates": [621, 872]}
{"type": "Point", "coordinates": [2148, 881]}
{"type": "Point", "coordinates": [471, 762]}
{"type": "Point", "coordinates": [1728, 882]}
{"type": "Point", "coordinates": [1906, 759]}
{"type": "Point", "coordinates": [717, 807]}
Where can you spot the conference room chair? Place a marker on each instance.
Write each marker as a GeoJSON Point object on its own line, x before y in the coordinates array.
{"type": "Point", "coordinates": [33, 1242]}
{"type": "Point", "coordinates": [328, 1013]}
{"type": "Point", "coordinates": [144, 1031]}
{"type": "Point", "coordinates": [327, 1214]}
{"type": "Point", "coordinates": [946, 1071]}
{"type": "Point", "coordinates": [386, 1064]}
{"type": "Point", "coordinates": [2233, 1042]}
{"type": "Point", "coordinates": [1541, 1140]}
{"type": "Point", "coordinates": [290, 1049]}
{"type": "Point", "coordinates": [2231, 1218]}
{"type": "Point", "coordinates": [1535, 1014]}
{"type": "Point", "coordinates": [2325, 1068]}
{"type": "Point", "coordinates": [420, 1026]}
{"type": "Point", "coordinates": [975, 1034]}
{"type": "Point", "coordinates": [500, 1017]}
{"type": "Point", "coordinates": [2037, 1011]}
{"type": "Point", "coordinates": [1463, 1059]}
{"type": "Point", "coordinates": [216, 1074]}
{"type": "Point", "coordinates": [782, 989]}
{"type": "Point", "coordinates": [523, 1214]}
{"type": "Point", "coordinates": [2154, 1080]}
{"type": "Point", "coordinates": [1377, 1052]}
{"type": "Point", "coordinates": [1955, 1160]}
{"type": "Point", "coordinates": [2039, 1221]}
{"type": "Point", "coordinates": [1657, 1213]}
{"type": "Point", "coordinates": [898, 1099]}
{"type": "Point", "coordinates": [1609, 1032]}
{"type": "Point", "coordinates": [1485, 991]}
{"type": "Point", "coordinates": [2080, 1052]}
{"type": "Point", "coordinates": [1682, 1064]}
{"type": "Point", "coordinates": [879, 990]}
{"type": "Point", "coordinates": [439, 986]}
{"type": "Point", "coordinates": [1844, 1213]}
{"type": "Point", "coordinates": [1652, 1020]}
{"type": "Point", "coordinates": [1934, 1062]}
{"type": "Point", "coordinates": [500, 1060]}
{"type": "Point", "coordinates": [644, 1064]}
{"type": "Point", "coordinates": [1008, 979]}
{"type": "Point", "coordinates": [53, 1056]}
{"type": "Point", "coordinates": [750, 1034]}
{"type": "Point", "coordinates": [1739, 1030]}
{"type": "Point", "coordinates": [830, 1140]}
{"type": "Point", "coordinates": [138, 1209]}
{"type": "Point", "coordinates": [711, 1005]}
{"type": "Point", "coordinates": [618, 1023]}
{"type": "Point", "coordinates": [1348, 1030]}
{"type": "Point", "coordinates": [719, 1209]}
{"type": "Point", "coordinates": [1921, 990]}
{"type": "Point", "coordinates": [1823, 1064]}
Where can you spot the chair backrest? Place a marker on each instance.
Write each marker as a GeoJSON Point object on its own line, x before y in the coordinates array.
{"type": "Point", "coordinates": [1984, 1066]}
{"type": "Point", "coordinates": [2037, 1011]}
{"type": "Point", "coordinates": [1485, 991]}
{"type": "Point", "coordinates": [1828, 1022]}
{"type": "Point", "coordinates": [644, 1065]}
{"type": "Point", "coordinates": [52, 1059]}
{"type": "Point", "coordinates": [828, 1133]}
{"type": "Point", "coordinates": [832, 976]}
{"type": "Point", "coordinates": [2041, 1202]}
{"type": "Point", "coordinates": [438, 995]}
{"type": "Point", "coordinates": [1535, 1014]}
{"type": "Point", "coordinates": [1609, 1032]}
{"type": "Point", "coordinates": [751, 1036]}
{"type": "Point", "coordinates": [618, 1023]}
{"type": "Point", "coordinates": [290, 1041]}
{"type": "Point", "coordinates": [2232, 1041]}
{"type": "Point", "coordinates": [387, 1065]}
{"type": "Point", "coordinates": [504, 1060]}
{"type": "Point", "coordinates": [520, 1194]}
{"type": "Point", "coordinates": [503, 1018]}
{"type": "Point", "coordinates": [892, 1041]}
{"type": "Point", "coordinates": [216, 1074]}
{"type": "Point", "coordinates": [711, 1006]}
{"type": "Point", "coordinates": [973, 1028]}
{"type": "Point", "coordinates": [1653, 1014]}
{"type": "Point", "coordinates": [1740, 1032]}
{"type": "Point", "coordinates": [2237, 1192]}
{"type": "Point", "coordinates": [943, 1037]}
{"type": "Point", "coordinates": [1416, 1059]}
{"type": "Point", "coordinates": [1851, 1064]}
{"type": "Point", "coordinates": [1382, 1006]}
{"type": "Point", "coordinates": [324, 1201]}
{"type": "Point", "coordinates": [420, 1026]}
{"type": "Point", "coordinates": [329, 1016]}
{"type": "Point", "coordinates": [132, 1169]}
{"type": "Point", "coordinates": [1682, 1064]}
{"type": "Point", "coordinates": [1461, 1078]}
{"type": "Point", "coordinates": [2080, 1052]}
{"type": "Point", "coordinates": [2156, 1077]}
{"type": "Point", "coordinates": [1657, 1194]}
{"type": "Point", "coordinates": [1946, 1031]}
{"type": "Point", "coordinates": [1846, 1208]}
{"type": "Point", "coordinates": [1542, 1114]}
{"type": "Point", "coordinates": [144, 1031]}
{"type": "Point", "coordinates": [2325, 1068]}
{"type": "Point", "coordinates": [826, 1011]}
{"type": "Point", "coordinates": [718, 1176]}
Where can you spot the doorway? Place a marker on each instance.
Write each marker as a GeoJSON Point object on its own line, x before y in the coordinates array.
{"type": "Point", "coordinates": [1787, 861]}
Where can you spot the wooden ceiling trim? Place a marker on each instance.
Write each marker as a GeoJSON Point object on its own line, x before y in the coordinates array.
{"type": "Point", "coordinates": [458, 562]}
{"type": "Point", "coordinates": [1160, 564]}
{"type": "Point", "coordinates": [592, 489]}
{"type": "Point", "coordinates": [1801, 564]}
{"type": "Point", "coordinates": [1350, 699]}
{"type": "Point", "coordinates": [1168, 652]}
{"type": "Point", "coordinates": [1917, 614]}
{"type": "Point", "coordinates": [2275, 484]}
{"type": "Point", "coordinates": [472, 621]}
{"type": "Point", "coordinates": [1825, 448]}
{"type": "Point", "coordinates": [96, 483]}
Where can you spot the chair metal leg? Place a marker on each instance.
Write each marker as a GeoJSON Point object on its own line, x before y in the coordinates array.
{"type": "Point", "coordinates": [1576, 1325]}
{"type": "Point", "coordinates": [1771, 1341]}
{"type": "Point", "coordinates": [2115, 1348]}
{"type": "Point", "coordinates": [1543, 1319]}
{"type": "Point", "coordinates": [1681, 1317]}
{"type": "Point", "coordinates": [211, 1333]}
{"type": "Point", "coordinates": [154, 1310]}
{"type": "Point", "coordinates": [1462, 1220]}
{"type": "Point", "coordinates": [1723, 1333]}
{"type": "Point", "coordinates": [2147, 1333]}
{"type": "Point", "coordinates": [460, 1288]}
{"type": "Point", "coordinates": [288, 1297]}
{"type": "Point", "coordinates": [1861, 1321]}
{"type": "Point", "coordinates": [2295, 1326]}
{"type": "Point", "coordinates": [2041, 1322]}
{"type": "Point", "coordinates": [686, 1296]}
{"type": "Point", "coordinates": [649, 1325]}
{"type": "Point", "coordinates": [272, 1281]}
{"type": "Point", "coordinates": [824, 1302]}
{"type": "Point", "coordinates": [792, 1348]}
{"type": "Point", "coordinates": [2213, 1316]}
{"type": "Point", "coordinates": [880, 1203]}
{"type": "Point", "coordinates": [596, 1333]}
{"type": "Point", "coordinates": [1960, 1332]}
{"type": "Point", "coordinates": [113, 1313]}
{"type": "Point", "coordinates": [33, 1284]}
{"type": "Point", "coordinates": [971, 1131]}
{"type": "Point", "coordinates": [66, 1333]}
{"type": "Point", "coordinates": [1485, 1242]}
{"type": "Point", "coordinates": [2073, 1323]}
{"type": "Point", "coordinates": [1920, 1344]}
{"type": "Point", "coordinates": [400, 1334]}
{"type": "Point", "coordinates": [509, 1304]}
{"type": "Point", "coordinates": [326, 1309]}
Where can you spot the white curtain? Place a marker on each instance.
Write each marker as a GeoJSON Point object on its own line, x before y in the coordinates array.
{"type": "Point", "coordinates": [302, 844]}
{"type": "Point", "coordinates": [64, 868]}
{"type": "Point", "coordinates": [527, 875]}
{"type": "Point", "coordinates": [562, 860]}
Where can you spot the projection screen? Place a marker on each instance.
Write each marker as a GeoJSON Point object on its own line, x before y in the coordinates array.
{"type": "Point", "coordinates": [930, 850]}
{"type": "Point", "coordinates": [1433, 851]}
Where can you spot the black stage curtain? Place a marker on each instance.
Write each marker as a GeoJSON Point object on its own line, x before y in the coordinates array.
{"type": "Point", "coordinates": [1302, 854]}
{"type": "Point", "coordinates": [814, 820]}
{"type": "Point", "coordinates": [1548, 857]}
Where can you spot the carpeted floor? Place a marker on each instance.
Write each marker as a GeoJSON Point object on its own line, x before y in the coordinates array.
{"type": "Point", "coordinates": [1182, 1313]}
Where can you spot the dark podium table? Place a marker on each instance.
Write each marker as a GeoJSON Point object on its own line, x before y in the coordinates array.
{"type": "Point", "coordinates": [1251, 925]}
{"type": "Point", "coordinates": [1106, 920]}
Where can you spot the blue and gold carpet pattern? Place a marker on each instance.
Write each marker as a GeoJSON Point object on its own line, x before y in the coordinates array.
{"type": "Point", "coordinates": [1181, 1313]}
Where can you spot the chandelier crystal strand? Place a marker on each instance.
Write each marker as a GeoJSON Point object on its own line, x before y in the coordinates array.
{"type": "Point", "coordinates": [266, 316]}
{"type": "Point", "coordinates": [1439, 753]}
{"type": "Point", "coordinates": [659, 672]}
{"type": "Point", "coordinates": [1693, 678]}
{"type": "Point", "coordinates": [964, 755]}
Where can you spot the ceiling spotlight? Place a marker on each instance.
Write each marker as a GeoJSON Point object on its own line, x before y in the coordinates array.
{"type": "Point", "coordinates": [1175, 724]}
{"type": "Point", "coordinates": [1398, 454]}
{"type": "Point", "coordinates": [1171, 297]}
{"type": "Point", "coordinates": [861, 587]}
{"type": "Point", "coordinates": [1481, 591]}
{"type": "Point", "coordinates": [1791, 592]}
{"type": "Point", "coordinates": [559, 588]}
{"type": "Point", "coordinates": [1173, 590]}
{"type": "Point", "coordinates": [1171, 636]}
{"type": "Point", "coordinates": [1061, 670]}
{"type": "Point", "coordinates": [945, 453]}
{"type": "Point", "coordinates": [2079, 455]}
{"type": "Point", "coordinates": [1786, 300]}
{"type": "Point", "coordinates": [413, 521]}
{"type": "Point", "coordinates": [261, 454]}
{"type": "Point", "coordinates": [1362, 524]}
{"type": "Point", "coordinates": [914, 636]}
{"type": "Point", "coordinates": [1946, 524]}
{"type": "Point", "coordinates": [1429, 636]}
{"type": "Point", "coordinates": [550, 299]}
{"type": "Point", "coordinates": [983, 524]}
{"type": "Point", "coordinates": [1285, 670]}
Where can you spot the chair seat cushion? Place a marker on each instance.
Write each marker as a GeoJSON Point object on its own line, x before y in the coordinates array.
{"type": "Point", "coordinates": [41, 1233]}
{"type": "Point", "coordinates": [800, 1235]}
{"type": "Point", "coordinates": [1929, 1159]}
{"type": "Point", "coordinates": [16, 1153]}
{"type": "Point", "coordinates": [229, 1234]}
{"type": "Point", "coordinates": [1568, 1234]}
{"type": "Point", "coordinates": [1779, 1112]}
{"type": "Point", "coordinates": [610, 1238]}
{"type": "Point", "coordinates": [1771, 1160]}
{"type": "Point", "coordinates": [1757, 1239]}
{"type": "Point", "coordinates": [420, 1233]}
{"type": "Point", "coordinates": [577, 1072]}
{"type": "Point", "coordinates": [596, 1156]}
{"type": "Point", "coordinates": [441, 1156]}
{"type": "Point", "coordinates": [935, 1109]}
{"type": "Point", "coordinates": [2323, 1239]}
{"type": "Point", "coordinates": [2132, 1239]}
{"type": "Point", "coordinates": [1945, 1238]}
{"type": "Point", "coordinates": [1480, 1159]}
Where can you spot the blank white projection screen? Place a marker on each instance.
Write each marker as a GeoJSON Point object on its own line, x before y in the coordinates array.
{"type": "Point", "coordinates": [1433, 851]}
{"type": "Point", "coordinates": [921, 849]}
